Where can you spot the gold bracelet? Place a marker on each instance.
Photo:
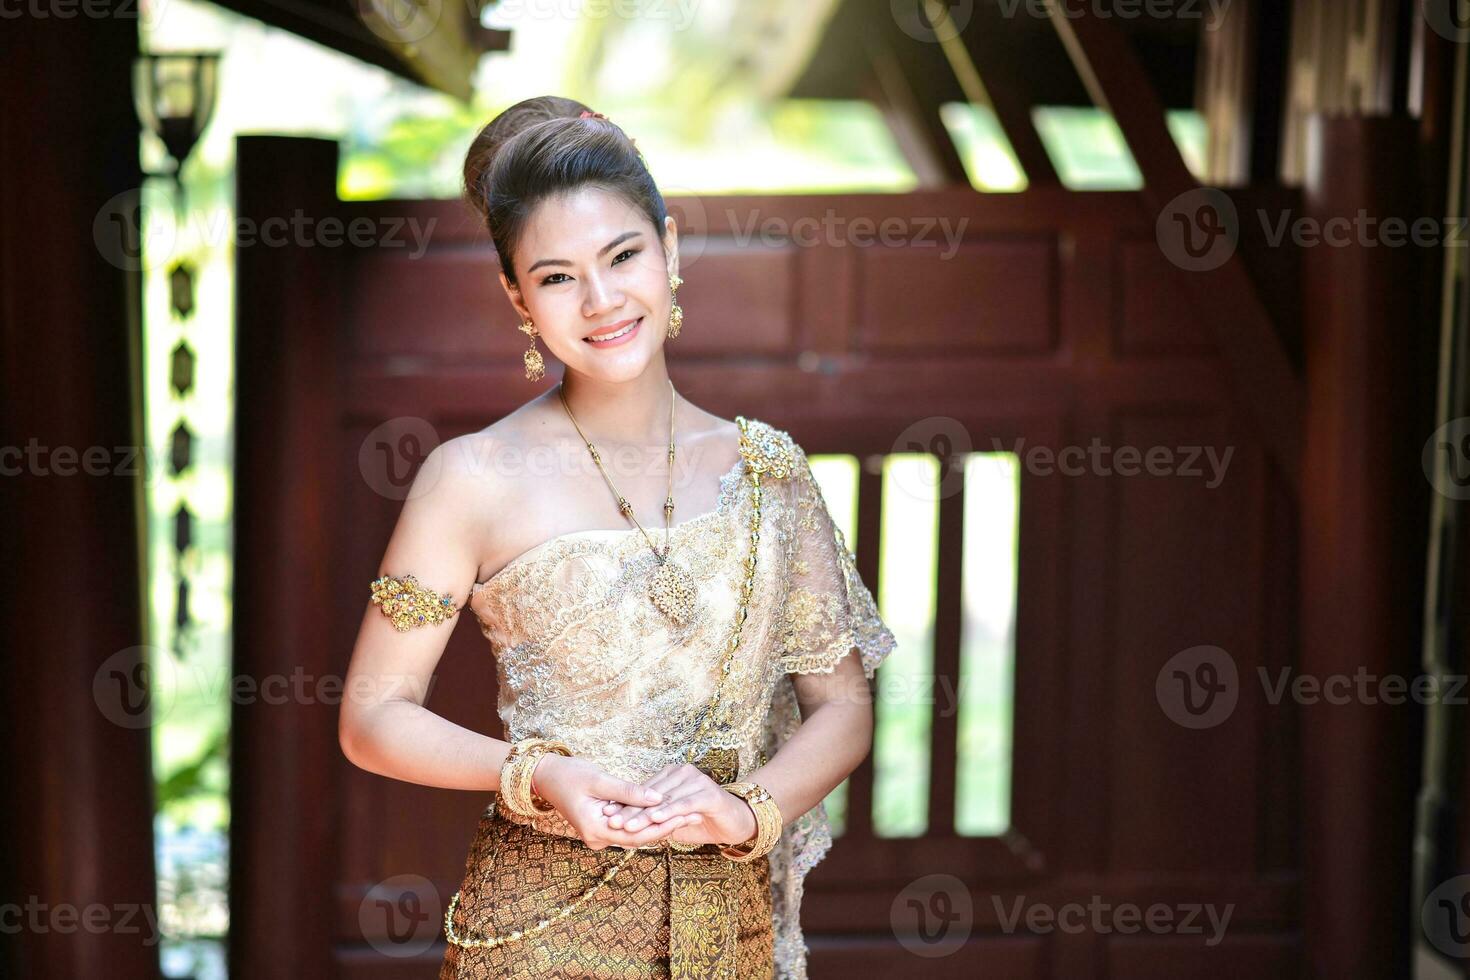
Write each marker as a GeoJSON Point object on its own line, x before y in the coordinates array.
{"type": "Point", "coordinates": [523, 798]}
{"type": "Point", "coordinates": [516, 772]}
{"type": "Point", "coordinates": [768, 823]}
{"type": "Point", "coordinates": [518, 782]}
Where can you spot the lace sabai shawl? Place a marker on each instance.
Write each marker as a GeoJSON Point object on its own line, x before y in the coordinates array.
{"type": "Point", "coordinates": [582, 655]}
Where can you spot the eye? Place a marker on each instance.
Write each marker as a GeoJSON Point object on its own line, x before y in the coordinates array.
{"type": "Point", "coordinates": [551, 280]}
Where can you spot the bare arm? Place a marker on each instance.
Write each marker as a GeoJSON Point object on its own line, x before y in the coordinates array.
{"type": "Point", "coordinates": [835, 735]}
{"type": "Point", "coordinates": [383, 726]}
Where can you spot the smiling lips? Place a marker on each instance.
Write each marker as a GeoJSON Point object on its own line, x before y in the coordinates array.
{"type": "Point", "coordinates": [614, 334]}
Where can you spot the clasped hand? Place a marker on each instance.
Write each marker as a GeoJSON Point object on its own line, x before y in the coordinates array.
{"type": "Point", "coordinates": [681, 803]}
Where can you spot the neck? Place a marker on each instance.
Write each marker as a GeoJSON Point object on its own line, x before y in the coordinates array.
{"type": "Point", "coordinates": [624, 413]}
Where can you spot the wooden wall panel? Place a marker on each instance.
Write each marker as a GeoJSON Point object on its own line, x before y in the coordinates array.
{"type": "Point", "coordinates": [1155, 312]}
{"type": "Point", "coordinates": [916, 299]}
{"type": "Point", "coordinates": [1168, 958]}
{"type": "Point", "coordinates": [980, 957]}
{"type": "Point", "coordinates": [766, 318]}
{"type": "Point", "coordinates": [1185, 800]}
{"type": "Point", "coordinates": [447, 303]}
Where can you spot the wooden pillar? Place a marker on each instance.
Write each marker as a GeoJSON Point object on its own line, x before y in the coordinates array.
{"type": "Point", "coordinates": [284, 756]}
{"type": "Point", "coordinates": [1364, 504]}
{"type": "Point", "coordinates": [77, 827]}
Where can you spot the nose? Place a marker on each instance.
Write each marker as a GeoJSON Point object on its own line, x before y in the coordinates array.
{"type": "Point", "coordinates": [602, 295]}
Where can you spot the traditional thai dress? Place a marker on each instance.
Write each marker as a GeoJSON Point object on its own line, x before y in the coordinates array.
{"type": "Point", "coordinates": [584, 656]}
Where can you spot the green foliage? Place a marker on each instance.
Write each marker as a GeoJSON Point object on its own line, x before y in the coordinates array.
{"type": "Point", "coordinates": [199, 777]}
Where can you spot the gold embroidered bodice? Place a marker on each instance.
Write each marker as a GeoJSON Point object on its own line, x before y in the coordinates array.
{"type": "Point", "coordinates": [582, 655]}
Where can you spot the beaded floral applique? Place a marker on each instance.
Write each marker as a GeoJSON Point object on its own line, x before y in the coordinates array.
{"type": "Point", "coordinates": [408, 604]}
{"type": "Point", "coordinates": [767, 450]}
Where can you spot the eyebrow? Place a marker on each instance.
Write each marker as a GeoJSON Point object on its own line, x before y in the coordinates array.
{"type": "Point", "coordinates": [600, 252]}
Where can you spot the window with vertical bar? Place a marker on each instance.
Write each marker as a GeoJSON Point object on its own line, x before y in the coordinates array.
{"type": "Point", "coordinates": [909, 693]}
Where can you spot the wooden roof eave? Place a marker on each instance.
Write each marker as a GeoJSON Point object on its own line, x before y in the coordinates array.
{"type": "Point", "coordinates": [441, 54]}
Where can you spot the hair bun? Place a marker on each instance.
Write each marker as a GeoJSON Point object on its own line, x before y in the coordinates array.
{"type": "Point", "coordinates": [507, 126]}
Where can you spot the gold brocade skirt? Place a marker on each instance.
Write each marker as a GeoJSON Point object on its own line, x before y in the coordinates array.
{"type": "Point", "coordinates": [666, 914]}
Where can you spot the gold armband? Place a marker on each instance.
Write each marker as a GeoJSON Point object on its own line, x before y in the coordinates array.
{"type": "Point", "coordinates": [408, 604]}
{"type": "Point", "coordinates": [768, 823]}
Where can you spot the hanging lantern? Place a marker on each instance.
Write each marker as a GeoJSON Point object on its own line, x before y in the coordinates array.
{"type": "Point", "coordinates": [175, 94]}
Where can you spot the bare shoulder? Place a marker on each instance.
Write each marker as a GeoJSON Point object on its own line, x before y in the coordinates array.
{"type": "Point", "coordinates": [448, 486]}
{"type": "Point", "coordinates": [712, 437]}
{"type": "Point", "coordinates": [467, 473]}
{"type": "Point", "coordinates": [496, 469]}
{"type": "Point", "coordinates": [484, 463]}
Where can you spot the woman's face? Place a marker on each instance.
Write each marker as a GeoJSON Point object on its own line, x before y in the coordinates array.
{"type": "Point", "coordinates": [589, 265]}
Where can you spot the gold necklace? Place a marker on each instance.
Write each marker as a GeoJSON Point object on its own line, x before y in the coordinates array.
{"type": "Point", "coordinates": [672, 590]}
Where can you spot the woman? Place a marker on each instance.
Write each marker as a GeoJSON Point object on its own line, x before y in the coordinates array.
{"type": "Point", "coordinates": [676, 702]}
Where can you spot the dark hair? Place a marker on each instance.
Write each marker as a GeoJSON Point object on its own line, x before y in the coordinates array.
{"type": "Point", "coordinates": [541, 147]}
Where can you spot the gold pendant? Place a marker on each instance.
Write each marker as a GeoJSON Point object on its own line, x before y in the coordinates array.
{"type": "Point", "coordinates": [673, 593]}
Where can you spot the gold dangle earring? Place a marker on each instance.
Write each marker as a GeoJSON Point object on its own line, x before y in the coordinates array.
{"type": "Point", "coordinates": [535, 367]}
{"type": "Point", "coordinates": [676, 313]}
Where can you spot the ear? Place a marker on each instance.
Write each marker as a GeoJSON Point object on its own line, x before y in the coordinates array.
{"type": "Point", "coordinates": [671, 244]}
{"type": "Point", "coordinates": [514, 294]}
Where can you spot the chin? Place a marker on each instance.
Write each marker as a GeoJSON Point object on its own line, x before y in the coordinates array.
{"type": "Point", "coordinates": [629, 369]}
